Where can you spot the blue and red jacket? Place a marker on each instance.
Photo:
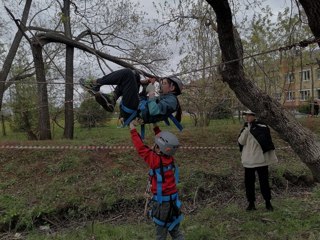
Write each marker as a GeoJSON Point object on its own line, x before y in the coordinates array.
{"type": "Point", "coordinates": [153, 160]}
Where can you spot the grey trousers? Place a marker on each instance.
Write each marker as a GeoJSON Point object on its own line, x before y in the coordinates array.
{"type": "Point", "coordinates": [162, 232]}
{"type": "Point", "coordinates": [162, 212]}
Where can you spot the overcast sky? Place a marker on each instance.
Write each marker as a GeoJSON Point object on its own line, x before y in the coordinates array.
{"type": "Point", "coordinates": [276, 5]}
{"type": "Point", "coordinates": [148, 6]}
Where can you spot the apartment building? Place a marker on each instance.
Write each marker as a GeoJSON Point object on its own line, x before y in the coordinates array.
{"type": "Point", "coordinates": [301, 84]}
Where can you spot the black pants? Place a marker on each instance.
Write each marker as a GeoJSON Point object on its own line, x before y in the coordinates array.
{"type": "Point", "coordinates": [127, 85]}
{"type": "Point", "coordinates": [250, 178]}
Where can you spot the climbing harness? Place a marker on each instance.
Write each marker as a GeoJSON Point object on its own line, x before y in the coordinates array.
{"type": "Point", "coordinates": [173, 200]}
{"type": "Point", "coordinates": [142, 106]}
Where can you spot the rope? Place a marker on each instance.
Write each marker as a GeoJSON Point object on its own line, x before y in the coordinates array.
{"type": "Point", "coordinates": [301, 44]}
{"type": "Point", "coordinates": [115, 147]}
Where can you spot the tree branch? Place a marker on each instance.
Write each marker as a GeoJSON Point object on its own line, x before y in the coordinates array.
{"type": "Point", "coordinates": [48, 37]}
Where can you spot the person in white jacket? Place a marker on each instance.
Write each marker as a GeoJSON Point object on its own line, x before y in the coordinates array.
{"type": "Point", "coordinates": [257, 153]}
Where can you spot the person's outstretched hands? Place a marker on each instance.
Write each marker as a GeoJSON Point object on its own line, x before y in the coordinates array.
{"type": "Point", "coordinates": [135, 122]}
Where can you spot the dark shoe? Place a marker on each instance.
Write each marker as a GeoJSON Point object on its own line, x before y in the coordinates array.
{"type": "Point", "coordinates": [269, 206]}
{"type": "Point", "coordinates": [107, 101]}
{"type": "Point", "coordinates": [251, 207]}
{"type": "Point", "coordinates": [89, 85]}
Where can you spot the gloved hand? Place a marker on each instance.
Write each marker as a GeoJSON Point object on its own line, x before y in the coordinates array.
{"type": "Point", "coordinates": [150, 89]}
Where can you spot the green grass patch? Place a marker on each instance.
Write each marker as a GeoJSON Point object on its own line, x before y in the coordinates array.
{"type": "Point", "coordinates": [64, 189]}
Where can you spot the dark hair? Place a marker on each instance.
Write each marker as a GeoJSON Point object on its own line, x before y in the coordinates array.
{"type": "Point", "coordinates": [178, 115]}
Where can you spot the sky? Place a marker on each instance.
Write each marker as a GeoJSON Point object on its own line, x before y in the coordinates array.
{"type": "Point", "coordinates": [148, 6]}
{"type": "Point", "coordinates": [275, 5]}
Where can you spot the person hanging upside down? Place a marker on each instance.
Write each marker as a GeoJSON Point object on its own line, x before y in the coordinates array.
{"type": "Point", "coordinates": [127, 83]}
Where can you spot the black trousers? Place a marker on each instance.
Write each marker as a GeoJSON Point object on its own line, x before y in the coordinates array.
{"type": "Point", "coordinates": [250, 179]}
{"type": "Point", "coordinates": [127, 85]}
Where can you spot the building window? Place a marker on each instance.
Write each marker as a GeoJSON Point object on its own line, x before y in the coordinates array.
{"type": "Point", "coordinates": [289, 77]}
{"type": "Point", "coordinates": [290, 96]}
{"type": "Point", "coordinates": [277, 96]}
{"type": "Point", "coordinates": [318, 73]}
{"type": "Point", "coordinates": [305, 75]}
{"type": "Point", "coordinates": [304, 95]}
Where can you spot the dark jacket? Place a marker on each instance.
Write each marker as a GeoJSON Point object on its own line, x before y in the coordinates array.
{"type": "Point", "coordinates": [261, 133]}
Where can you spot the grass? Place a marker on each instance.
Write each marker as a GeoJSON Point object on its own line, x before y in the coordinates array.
{"type": "Point", "coordinates": [293, 218]}
{"type": "Point", "coordinates": [98, 194]}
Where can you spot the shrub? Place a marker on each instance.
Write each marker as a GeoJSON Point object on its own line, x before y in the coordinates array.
{"type": "Point", "coordinates": [305, 108]}
{"type": "Point", "coordinates": [91, 114]}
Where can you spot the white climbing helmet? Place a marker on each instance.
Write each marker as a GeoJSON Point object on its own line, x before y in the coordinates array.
{"type": "Point", "coordinates": [178, 83]}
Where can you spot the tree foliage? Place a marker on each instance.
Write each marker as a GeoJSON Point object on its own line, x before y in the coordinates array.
{"type": "Point", "coordinates": [111, 32]}
{"type": "Point", "coordinates": [90, 114]}
{"type": "Point", "coordinates": [105, 33]}
{"type": "Point", "coordinates": [302, 140]}
{"type": "Point", "coordinates": [195, 34]}
{"type": "Point", "coordinates": [24, 107]}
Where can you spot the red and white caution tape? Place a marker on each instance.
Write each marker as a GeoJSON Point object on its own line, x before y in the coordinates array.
{"type": "Point", "coordinates": [115, 147]}
{"type": "Point", "coordinates": [68, 147]}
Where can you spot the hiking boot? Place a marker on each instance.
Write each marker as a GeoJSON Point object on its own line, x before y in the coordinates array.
{"type": "Point", "coordinates": [269, 206]}
{"type": "Point", "coordinates": [251, 207]}
{"type": "Point", "coordinates": [89, 85]}
{"type": "Point", "coordinates": [107, 101]}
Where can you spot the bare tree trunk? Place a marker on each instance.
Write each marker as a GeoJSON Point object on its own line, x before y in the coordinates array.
{"type": "Point", "coordinates": [27, 126]}
{"type": "Point", "coordinates": [68, 105]}
{"type": "Point", "coordinates": [12, 52]}
{"type": "Point", "coordinates": [69, 115]}
{"type": "Point", "coordinates": [301, 140]}
{"type": "Point", "coordinates": [312, 9]}
{"type": "Point", "coordinates": [43, 103]}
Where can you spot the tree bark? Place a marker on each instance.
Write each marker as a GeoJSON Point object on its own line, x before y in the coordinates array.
{"type": "Point", "coordinates": [12, 52]}
{"type": "Point", "coordinates": [27, 126]}
{"type": "Point", "coordinates": [43, 103]}
{"type": "Point", "coordinates": [301, 140]}
{"type": "Point", "coordinates": [68, 104]}
{"type": "Point", "coordinates": [312, 9]}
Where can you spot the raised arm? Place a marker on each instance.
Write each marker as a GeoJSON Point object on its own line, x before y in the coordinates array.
{"type": "Point", "coordinates": [143, 150]}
